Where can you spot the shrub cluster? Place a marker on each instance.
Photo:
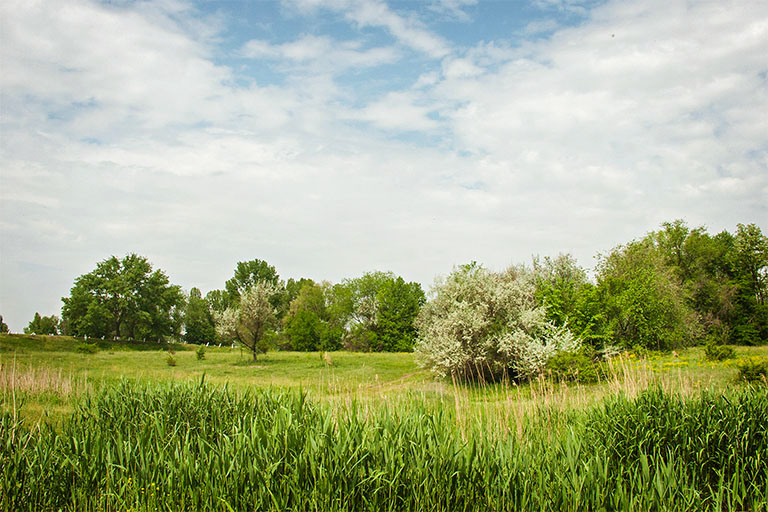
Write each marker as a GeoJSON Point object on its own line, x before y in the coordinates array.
{"type": "Point", "coordinates": [714, 352]}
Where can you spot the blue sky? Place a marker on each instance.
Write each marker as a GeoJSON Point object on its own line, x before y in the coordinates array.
{"type": "Point", "coordinates": [335, 137]}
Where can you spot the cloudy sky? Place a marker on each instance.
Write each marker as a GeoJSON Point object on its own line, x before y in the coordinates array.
{"type": "Point", "coordinates": [334, 137]}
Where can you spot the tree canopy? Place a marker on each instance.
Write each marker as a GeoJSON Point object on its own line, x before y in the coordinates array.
{"type": "Point", "coordinates": [43, 325]}
{"type": "Point", "coordinates": [124, 298]}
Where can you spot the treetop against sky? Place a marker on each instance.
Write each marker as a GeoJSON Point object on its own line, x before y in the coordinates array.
{"type": "Point", "coordinates": [335, 137]}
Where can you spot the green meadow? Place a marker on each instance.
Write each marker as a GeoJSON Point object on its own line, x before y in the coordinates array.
{"type": "Point", "coordinates": [114, 426]}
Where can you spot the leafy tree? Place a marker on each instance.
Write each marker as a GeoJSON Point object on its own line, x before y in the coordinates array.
{"type": "Point", "coordinates": [43, 325]}
{"type": "Point", "coordinates": [378, 311]}
{"type": "Point", "coordinates": [723, 278]}
{"type": "Point", "coordinates": [249, 320]}
{"type": "Point", "coordinates": [570, 299]}
{"type": "Point", "coordinates": [749, 261]}
{"type": "Point", "coordinates": [248, 273]}
{"type": "Point", "coordinates": [198, 319]}
{"type": "Point", "coordinates": [124, 298]}
{"type": "Point", "coordinates": [642, 301]}
{"type": "Point", "coordinates": [308, 323]}
{"type": "Point", "coordinates": [486, 324]}
{"type": "Point", "coordinates": [218, 300]}
{"type": "Point", "coordinates": [3, 326]}
{"type": "Point", "coordinates": [398, 304]}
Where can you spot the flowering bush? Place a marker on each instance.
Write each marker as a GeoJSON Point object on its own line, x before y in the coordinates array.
{"type": "Point", "coordinates": [482, 324]}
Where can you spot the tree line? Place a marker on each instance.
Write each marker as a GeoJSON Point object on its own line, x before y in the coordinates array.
{"type": "Point", "coordinates": [674, 287]}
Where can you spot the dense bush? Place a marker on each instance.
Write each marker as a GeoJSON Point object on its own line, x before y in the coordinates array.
{"type": "Point", "coordinates": [486, 324]}
{"type": "Point", "coordinates": [753, 369]}
{"type": "Point", "coordinates": [578, 366]}
{"type": "Point", "coordinates": [714, 352]}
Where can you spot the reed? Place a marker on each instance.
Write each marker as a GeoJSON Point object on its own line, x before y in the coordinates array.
{"type": "Point", "coordinates": [199, 447]}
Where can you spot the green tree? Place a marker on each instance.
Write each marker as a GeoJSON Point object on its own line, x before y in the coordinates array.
{"type": "Point", "coordinates": [570, 299]}
{"type": "Point", "coordinates": [248, 273]}
{"type": "Point", "coordinates": [749, 263]}
{"type": "Point", "coordinates": [124, 298]}
{"type": "Point", "coordinates": [378, 310]}
{"type": "Point", "coordinates": [308, 323]}
{"type": "Point", "coordinates": [218, 300]}
{"type": "Point", "coordinates": [249, 321]}
{"type": "Point", "coordinates": [198, 319]}
{"type": "Point", "coordinates": [398, 304]}
{"type": "Point", "coordinates": [3, 326]}
{"type": "Point", "coordinates": [43, 325]}
{"type": "Point", "coordinates": [643, 302]}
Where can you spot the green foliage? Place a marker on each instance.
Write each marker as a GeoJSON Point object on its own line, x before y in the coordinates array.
{"type": "Point", "coordinates": [249, 273]}
{"type": "Point", "coordinates": [570, 299]}
{"type": "Point", "coordinates": [87, 348]}
{"type": "Point", "coordinates": [714, 352]}
{"type": "Point", "coordinates": [170, 359]}
{"type": "Point", "coordinates": [645, 435]}
{"type": "Point", "coordinates": [753, 369]}
{"type": "Point", "coordinates": [725, 278]}
{"type": "Point", "coordinates": [379, 310]}
{"type": "Point", "coordinates": [3, 326]}
{"type": "Point", "coordinates": [581, 366]}
{"type": "Point", "coordinates": [194, 447]}
{"type": "Point", "coordinates": [398, 304]}
{"type": "Point", "coordinates": [643, 303]}
{"type": "Point", "coordinates": [47, 325]}
{"type": "Point", "coordinates": [309, 324]}
{"type": "Point", "coordinates": [198, 320]}
{"type": "Point", "coordinates": [124, 299]}
{"type": "Point", "coordinates": [749, 260]}
{"type": "Point", "coordinates": [200, 352]}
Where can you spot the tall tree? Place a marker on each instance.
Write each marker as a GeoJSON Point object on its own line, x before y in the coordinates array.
{"type": "Point", "coordinates": [398, 304]}
{"type": "Point", "coordinates": [198, 319]}
{"type": "Point", "coordinates": [749, 261]}
{"type": "Point", "coordinates": [43, 325]}
{"type": "Point", "coordinates": [124, 298]}
{"type": "Point", "coordinates": [378, 309]}
{"type": "Point", "coordinates": [642, 300]}
{"type": "Point", "coordinates": [249, 273]}
{"type": "Point", "coordinates": [308, 324]}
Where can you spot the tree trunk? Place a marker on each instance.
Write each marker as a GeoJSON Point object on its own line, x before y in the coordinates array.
{"type": "Point", "coordinates": [254, 354]}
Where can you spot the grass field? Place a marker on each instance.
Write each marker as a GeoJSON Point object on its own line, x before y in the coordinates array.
{"type": "Point", "coordinates": [123, 430]}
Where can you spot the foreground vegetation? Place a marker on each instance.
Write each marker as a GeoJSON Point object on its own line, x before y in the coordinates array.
{"type": "Point", "coordinates": [195, 447]}
{"type": "Point", "coordinates": [113, 426]}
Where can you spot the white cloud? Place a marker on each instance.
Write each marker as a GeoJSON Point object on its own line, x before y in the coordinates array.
{"type": "Point", "coordinates": [121, 133]}
{"type": "Point", "coordinates": [376, 13]}
{"type": "Point", "coordinates": [321, 54]}
{"type": "Point", "coordinates": [397, 111]}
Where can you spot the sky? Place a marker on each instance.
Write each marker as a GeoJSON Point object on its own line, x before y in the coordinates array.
{"type": "Point", "coordinates": [336, 137]}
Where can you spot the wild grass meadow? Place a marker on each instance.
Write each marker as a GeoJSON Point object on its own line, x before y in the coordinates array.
{"type": "Point", "coordinates": [116, 428]}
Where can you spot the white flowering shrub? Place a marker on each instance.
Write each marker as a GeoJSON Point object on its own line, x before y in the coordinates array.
{"type": "Point", "coordinates": [247, 321]}
{"type": "Point", "coordinates": [482, 324]}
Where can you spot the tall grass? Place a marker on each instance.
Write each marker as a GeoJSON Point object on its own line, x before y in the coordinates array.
{"type": "Point", "coordinates": [195, 447]}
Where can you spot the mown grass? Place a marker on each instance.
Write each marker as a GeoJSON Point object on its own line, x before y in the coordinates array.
{"type": "Point", "coordinates": [196, 447]}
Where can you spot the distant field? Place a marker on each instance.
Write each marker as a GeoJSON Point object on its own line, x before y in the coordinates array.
{"type": "Point", "coordinates": [50, 372]}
